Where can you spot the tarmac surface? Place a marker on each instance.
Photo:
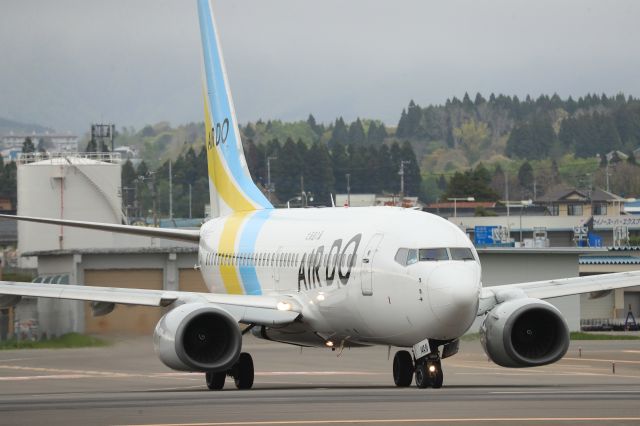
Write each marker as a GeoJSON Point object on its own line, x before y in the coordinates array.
{"type": "Point", "coordinates": [127, 384]}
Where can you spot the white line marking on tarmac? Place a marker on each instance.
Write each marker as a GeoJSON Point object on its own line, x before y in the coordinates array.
{"type": "Point", "coordinates": [57, 376]}
{"type": "Point", "coordinates": [620, 361]}
{"type": "Point", "coordinates": [428, 420]}
{"type": "Point", "coordinates": [560, 392]}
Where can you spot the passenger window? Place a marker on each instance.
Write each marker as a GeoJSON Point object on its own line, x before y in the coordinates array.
{"type": "Point", "coordinates": [461, 253]}
{"type": "Point", "coordinates": [431, 254]}
{"type": "Point", "coordinates": [412, 256]}
{"type": "Point", "coordinates": [401, 256]}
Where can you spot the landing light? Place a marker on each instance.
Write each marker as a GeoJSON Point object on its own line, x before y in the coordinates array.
{"type": "Point", "coordinates": [320, 297]}
{"type": "Point", "coordinates": [329, 343]}
{"type": "Point", "coordinates": [432, 368]}
{"type": "Point", "coordinates": [283, 306]}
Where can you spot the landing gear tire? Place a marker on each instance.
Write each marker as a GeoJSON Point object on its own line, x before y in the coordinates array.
{"type": "Point", "coordinates": [402, 369]}
{"type": "Point", "coordinates": [429, 374]}
{"type": "Point", "coordinates": [436, 377]}
{"type": "Point", "coordinates": [243, 371]}
{"type": "Point", "coordinates": [215, 381]}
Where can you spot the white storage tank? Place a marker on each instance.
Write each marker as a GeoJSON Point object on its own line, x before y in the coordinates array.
{"type": "Point", "coordinates": [68, 186]}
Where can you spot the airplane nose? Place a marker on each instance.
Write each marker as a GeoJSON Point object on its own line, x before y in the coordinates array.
{"type": "Point", "coordinates": [453, 295]}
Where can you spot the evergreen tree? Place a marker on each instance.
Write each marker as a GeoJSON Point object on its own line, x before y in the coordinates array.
{"type": "Point", "coordinates": [319, 179]}
{"type": "Point", "coordinates": [340, 134]}
{"type": "Point", "coordinates": [442, 183]}
{"type": "Point", "coordinates": [402, 129]}
{"type": "Point", "coordinates": [311, 121]}
{"type": "Point", "coordinates": [340, 162]}
{"type": "Point", "coordinates": [287, 171]}
{"type": "Point", "coordinates": [525, 179]}
{"type": "Point", "coordinates": [385, 170]}
{"type": "Point", "coordinates": [91, 146]}
{"type": "Point", "coordinates": [412, 178]}
{"type": "Point", "coordinates": [356, 132]}
{"type": "Point", "coordinates": [27, 146]}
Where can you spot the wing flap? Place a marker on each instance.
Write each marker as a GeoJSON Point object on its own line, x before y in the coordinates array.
{"type": "Point", "coordinates": [189, 235]}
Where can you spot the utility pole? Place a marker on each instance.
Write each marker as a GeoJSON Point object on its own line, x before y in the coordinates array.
{"type": "Point", "coordinates": [348, 176]}
{"type": "Point", "coordinates": [607, 173]}
{"type": "Point", "coordinates": [189, 201]}
{"type": "Point", "coordinates": [269, 187]}
{"type": "Point", "coordinates": [401, 173]}
{"type": "Point", "coordinates": [170, 191]}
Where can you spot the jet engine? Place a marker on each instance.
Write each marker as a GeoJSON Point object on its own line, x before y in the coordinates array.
{"type": "Point", "coordinates": [524, 333]}
{"type": "Point", "coordinates": [198, 337]}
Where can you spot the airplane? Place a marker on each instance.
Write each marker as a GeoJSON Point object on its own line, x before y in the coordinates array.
{"type": "Point", "coordinates": [324, 277]}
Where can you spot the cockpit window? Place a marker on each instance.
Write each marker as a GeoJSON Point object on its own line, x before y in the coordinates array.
{"type": "Point", "coordinates": [431, 254]}
{"type": "Point", "coordinates": [461, 253]}
{"type": "Point", "coordinates": [401, 256]}
{"type": "Point", "coordinates": [412, 256]}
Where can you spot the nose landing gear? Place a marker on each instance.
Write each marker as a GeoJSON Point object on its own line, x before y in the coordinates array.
{"type": "Point", "coordinates": [427, 370]}
{"type": "Point", "coordinates": [429, 373]}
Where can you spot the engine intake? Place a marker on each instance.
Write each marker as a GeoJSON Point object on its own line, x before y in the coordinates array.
{"type": "Point", "coordinates": [198, 337]}
{"type": "Point", "coordinates": [524, 333]}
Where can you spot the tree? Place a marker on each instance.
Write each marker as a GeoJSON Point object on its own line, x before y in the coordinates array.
{"type": "Point", "coordinates": [412, 178]}
{"type": "Point", "coordinates": [91, 146]}
{"type": "Point", "coordinates": [311, 121]}
{"type": "Point", "coordinates": [128, 178]}
{"type": "Point", "coordinates": [27, 146]}
{"type": "Point", "coordinates": [319, 178]}
{"type": "Point", "coordinates": [385, 170]}
{"type": "Point", "coordinates": [472, 183]}
{"type": "Point", "coordinates": [526, 179]}
{"type": "Point", "coordinates": [356, 132]}
{"type": "Point", "coordinates": [287, 171]}
{"type": "Point", "coordinates": [340, 134]}
{"type": "Point", "coordinates": [473, 137]}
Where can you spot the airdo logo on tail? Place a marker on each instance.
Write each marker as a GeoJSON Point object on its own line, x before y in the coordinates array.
{"type": "Point", "coordinates": [231, 188]}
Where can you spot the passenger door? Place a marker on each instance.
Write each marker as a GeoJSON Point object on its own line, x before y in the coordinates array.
{"type": "Point", "coordinates": [366, 264]}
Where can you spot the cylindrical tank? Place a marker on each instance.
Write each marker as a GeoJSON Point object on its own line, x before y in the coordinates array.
{"type": "Point", "coordinates": [67, 187]}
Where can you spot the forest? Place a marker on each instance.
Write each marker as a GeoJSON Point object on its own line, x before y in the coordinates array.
{"type": "Point", "coordinates": [479, 146]}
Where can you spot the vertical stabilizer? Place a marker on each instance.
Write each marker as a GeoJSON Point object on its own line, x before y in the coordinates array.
{"type": "Point", "coordinates": [231, 188]}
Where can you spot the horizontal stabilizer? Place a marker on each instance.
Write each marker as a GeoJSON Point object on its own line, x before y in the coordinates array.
{"type": "Point", "coordinates": [189, 235]}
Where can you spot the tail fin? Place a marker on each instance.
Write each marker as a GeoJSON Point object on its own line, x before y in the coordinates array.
{"type": "Point", "coordinates": [231, 188]}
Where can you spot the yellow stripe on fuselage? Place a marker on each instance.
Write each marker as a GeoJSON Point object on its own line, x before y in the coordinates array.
{"type": "Point", "coordinates": [224, 184]}
{"type": "Point", "coordinates": [227, 245]}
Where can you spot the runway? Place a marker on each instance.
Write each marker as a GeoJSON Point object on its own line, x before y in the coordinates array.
{"type": "Point", "coordinates": [126, 384]}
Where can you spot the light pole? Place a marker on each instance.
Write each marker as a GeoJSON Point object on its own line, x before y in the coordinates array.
{"type": "Point", "coordinates": [401, 173]}
{"type": "Point", "coordinates": [455, 200]}
{"type": "Point", "coordinates": [348, 176]}
{"type": "Point", "coordinates": [269, 187]}
{"type": "Point", "coordinates": [523, 204]}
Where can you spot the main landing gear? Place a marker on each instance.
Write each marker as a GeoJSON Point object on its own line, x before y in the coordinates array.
{"type": "Point", "coordinates": [427, 370]}
{"type": "Point", "coordinates": [242, 373]}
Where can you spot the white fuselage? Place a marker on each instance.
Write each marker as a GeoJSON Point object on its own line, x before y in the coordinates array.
{"type": "Point", "coordinates": [341, 266]}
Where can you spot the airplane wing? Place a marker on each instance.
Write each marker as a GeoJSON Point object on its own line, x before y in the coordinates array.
{"type": "Point", "coordinates": [491, 296]}
{"type": "Point", "coordinates": [189, 235]}
{"type": "Point", "coordinates": [261, 310]}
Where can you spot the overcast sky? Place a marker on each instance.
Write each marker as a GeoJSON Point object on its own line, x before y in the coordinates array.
{"type": "Point", "coordinates": [66, 63]}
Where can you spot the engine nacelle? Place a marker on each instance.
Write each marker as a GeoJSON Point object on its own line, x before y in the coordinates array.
{"type": "Point", "coordinates": [198, 337]}
{"type": "Point", "coordinates": [524, 333]}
